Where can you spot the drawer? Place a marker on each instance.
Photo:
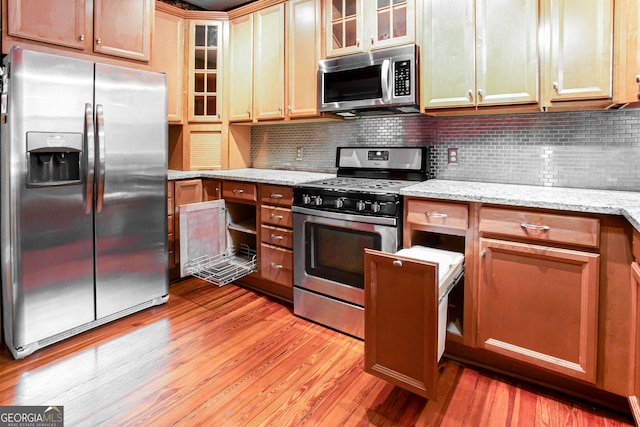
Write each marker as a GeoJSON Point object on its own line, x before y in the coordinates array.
{"type": "Point", "coordinates": [239, 191]}
{"type": "Point", "coordinates": [281, 217]}
{"type": "Point", "coordinates": [568, 229]}
{"type": "Point", "coordinates": [276, 195]}
{"type": "Point", "coordinates": [276, 264]}
{"type": "Point", "coordinates": [438, 214]}
{"type": "Point", "coordinates": [636, 245]}
{"type": "Point", "coordinates": [277, 236]}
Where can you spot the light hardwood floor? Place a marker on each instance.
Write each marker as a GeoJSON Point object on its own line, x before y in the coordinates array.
{"type": "Point", "coordinates": [230, 357]}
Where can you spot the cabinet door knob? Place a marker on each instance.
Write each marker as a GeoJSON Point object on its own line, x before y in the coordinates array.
{"type": "Point", "coordinates": [98, 40]}
{"type": "Point", "coordinates": [397, 263]}
{"type": "Point", "coordinates": [638, 78]}
{"type": "Point", "coordinates": [81, 37]}
{"type": "Point", "coordinates": [556, 86]}
{"type": "Point", "coordinates": [483, 254]}
{"type": "Point", "coordinates": [358, 42]}
{"type": "Point", "coordinates": [249, 113]}
{"type": "Point", "coordinates": [479, 93]}
{"type": "Point", "coordinates": [289, 108]}
{"type": "Point", "coordinates": [470, 94]}
{"type": "Point", "coordinates": [373, 40]}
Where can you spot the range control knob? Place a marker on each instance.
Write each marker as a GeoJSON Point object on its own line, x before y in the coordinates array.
{"type": "Point", "coordinates": [339, 202]}
{"type": "Point", "coordinates": [318, 201]}
{"type": "Point", "coordinates": [306, 199]}
{"type": "Point", "coordinates": [360, 205]}
{"type": "Point", "coordinates": [375, 207]}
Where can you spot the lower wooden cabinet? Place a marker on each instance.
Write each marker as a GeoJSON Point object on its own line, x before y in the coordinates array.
{"type": "Point", "coordinates": [405, 310]}
{"type": "Point", "coordinates": [634, 398]}
{"type": "Point", "coordinates": [539, 305]}
{"type": "Point", "coordinates": [184, 192]}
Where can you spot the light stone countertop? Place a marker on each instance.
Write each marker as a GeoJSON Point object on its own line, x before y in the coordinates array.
{"type": "Point", "coordinates": [626, 203]}
{"type": "Point", "coordinates": [262, 176]}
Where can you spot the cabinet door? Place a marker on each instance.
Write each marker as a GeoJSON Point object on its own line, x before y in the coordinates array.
{"type": "Point", "coordinates": [303, 54]}
{"type": "Point", "coordinates": [401, 322]}
{"type": "Point", "coordinates": [168, 51]}
{"type": "Point", "coordinates": [580, 50]}
{"type": "Point", "coordinates": [626, 62]}
{"type": "Point", "coordinates": [392, 22]}
{"type": "Point", "coordinates": [60, 22]}
{"type": "Point", "coordinates": [205, 49]}
{"type": "Point", "coordinates": [343, 26]}
{"type": "Point", "coordinates": [185, 192]}
{"type": "Point", "coordinates": [123, 28]}
{"type": "Point", "coordinates": [634, 399]}
{"type": "Point", "coordinates": [268, 76]}
{"type": "Point", "coordinates": [448, 54]}
{"type": "Point", "coordinates": [241, 69]}
{"type": "Point", "coordinates": [559, 287]}
{"type": "Point", "coordinates": [506, 52]}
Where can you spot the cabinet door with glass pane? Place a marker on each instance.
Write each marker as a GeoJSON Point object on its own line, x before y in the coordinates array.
{"type": "Point", "coordinates": [205, 76]}
{"type": "Point", "coordinates": [392, 22]}
{"type": "Point", "coordinates": [344, 21]}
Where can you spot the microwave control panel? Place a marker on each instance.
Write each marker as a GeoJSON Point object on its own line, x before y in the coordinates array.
{"type": "Point", "coordinates": [402, 78]}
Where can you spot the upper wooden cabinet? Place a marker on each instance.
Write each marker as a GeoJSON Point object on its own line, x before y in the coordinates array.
{"type": "Point", "coordinates": [361, 25]}
{"type": "Point", "coordinates": [240, 97]}
{"type": "Point", "coordinates": [168, 57]}
{"type": "Point", "coordinates": [478, 52]}
{"type": "Point", "coordinates": [268, 56]}
{"type": "Point", "coordinates": [205, 70]}
{"type": "Point", "coordinates": [577, 51]}
{"type": "Point", "coordinates": [626, 40]}
{"type": "Point", "coordinates": [303, 53]}
{"type": "Point", "coordinates": [274, 57]}
{"type": "Point", "coordinates": [119, 28]}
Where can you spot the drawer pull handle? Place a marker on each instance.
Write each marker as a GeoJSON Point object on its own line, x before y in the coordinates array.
{"type": "Point", "coordinates": [436, 215]}
{"type": "Point", "coordinates": [274, 265]}
{"type": "Point", "coordinates": [397, 263]}
{"type": "Point", "coordinates": [276, 237]}
{"type": "Point", "coordinates": [274, 216]}
{"type": "Point", "coordinates": [235, 190]}
{"type": "Point", "coordinates": [276, 196]}
{"type": "Point", "coordinates": [534, 227]}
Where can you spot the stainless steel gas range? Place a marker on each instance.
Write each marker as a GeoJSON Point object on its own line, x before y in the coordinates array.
{"type": "Point", "coordinates": [336, 219]}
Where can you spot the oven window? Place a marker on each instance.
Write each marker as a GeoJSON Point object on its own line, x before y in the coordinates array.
{"type": "Point", "coordinates": [337, 253]}
{"type": "Point", "coordinates": [353, 85]}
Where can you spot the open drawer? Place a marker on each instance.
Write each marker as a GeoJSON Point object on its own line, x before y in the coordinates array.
{"type": "Point", "coordinates": [204, 243]}
{"type": "Point", "coordinates": [406, 314]}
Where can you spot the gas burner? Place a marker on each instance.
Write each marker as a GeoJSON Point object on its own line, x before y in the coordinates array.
{"type": "Point", "coordinates": [368, 182]}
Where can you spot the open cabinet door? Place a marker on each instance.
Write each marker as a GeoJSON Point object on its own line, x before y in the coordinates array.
{"type": "Point", "coordinates": [401, 321]}
{"type": "Point", "coordinates": [202, 231]}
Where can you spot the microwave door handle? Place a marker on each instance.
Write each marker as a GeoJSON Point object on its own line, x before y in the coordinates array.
{"type": "Point", "coordinates": [386, 65]}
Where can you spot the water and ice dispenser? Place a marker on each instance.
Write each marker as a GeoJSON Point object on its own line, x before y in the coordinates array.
{"type": "Point", "coordinates": [54, 158]}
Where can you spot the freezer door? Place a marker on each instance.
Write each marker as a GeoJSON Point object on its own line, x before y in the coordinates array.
{"type": "Point", "coordinates": [47, 223]}
{"type": "Point", "coordinates": [131, 199]}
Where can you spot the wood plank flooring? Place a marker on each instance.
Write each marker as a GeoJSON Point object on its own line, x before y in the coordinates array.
{"type": "Point", "coordinates": [230, 357]}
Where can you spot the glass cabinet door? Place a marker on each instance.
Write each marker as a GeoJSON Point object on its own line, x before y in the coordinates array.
{"type": "Point", "coordinates": [204, 82]}
{"type": "Point", "coordinates": [345, 20]}
{"type": "Point", "coordinates": [394, 23]}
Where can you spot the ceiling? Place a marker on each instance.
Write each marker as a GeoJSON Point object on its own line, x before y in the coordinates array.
{"type": "Point", "coordinates": [219, 5]}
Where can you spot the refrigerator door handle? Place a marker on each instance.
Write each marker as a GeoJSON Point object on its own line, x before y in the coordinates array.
{"type": "Point", "coordinates": [90, 150]}
{"type": "Point", "coordinates": [100, 164]}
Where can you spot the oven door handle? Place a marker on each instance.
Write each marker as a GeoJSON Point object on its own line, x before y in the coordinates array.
{"type": "Point", "coordinates": [378, 220]}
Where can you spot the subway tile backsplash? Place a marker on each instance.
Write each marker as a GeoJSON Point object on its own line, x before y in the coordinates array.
{"type": "Point", "coordinates": [585, 149]}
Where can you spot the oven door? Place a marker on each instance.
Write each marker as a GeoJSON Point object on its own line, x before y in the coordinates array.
{"type": "Point", "coordinates": [329, 251]}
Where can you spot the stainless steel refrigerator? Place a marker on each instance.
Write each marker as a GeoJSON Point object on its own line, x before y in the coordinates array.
{"type": "Point", "coordinates": [83, 165]}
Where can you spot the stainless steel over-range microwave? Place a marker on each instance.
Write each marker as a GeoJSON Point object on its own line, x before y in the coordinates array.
{"type": "Point", "coordinates": [377, 82]}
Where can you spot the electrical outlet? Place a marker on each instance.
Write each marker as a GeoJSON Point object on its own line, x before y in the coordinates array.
{"type": "Point", "coordinates": [452, 156]}
{"type": "Point", "coordinates": [299, 153]}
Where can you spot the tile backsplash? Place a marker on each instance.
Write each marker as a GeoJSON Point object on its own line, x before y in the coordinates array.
{"type": "Point", "coordinates": [584, 149]}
